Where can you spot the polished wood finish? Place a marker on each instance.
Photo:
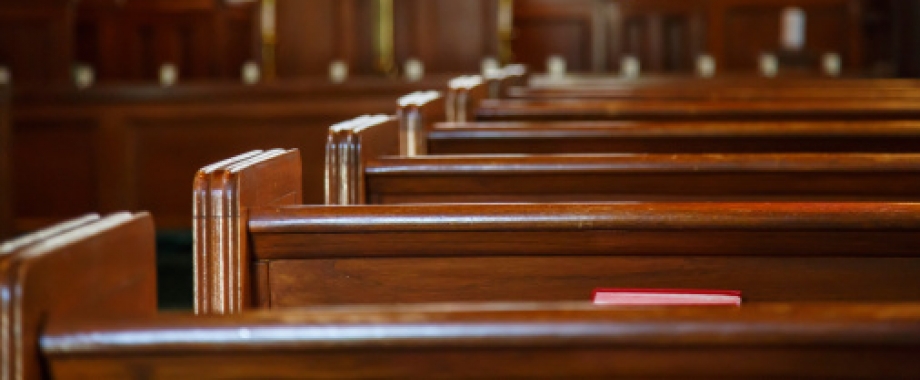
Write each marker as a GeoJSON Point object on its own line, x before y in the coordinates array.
{"type": "Point", "coordinates": [417, 114]}
{"type": "Point", "coordinates": [623, 109]}
{"type": "Point", "coordinates": [537, 252]}
{"type": "Point", "coordinates": [447, 36]}
{"type": "Point", "coordinates": [223, 282]}
{"type": "Point", "coordinates": [88, 267]}
{"type": "Point", "coordinates": [497, 341]}
{"type": "Point", "coordinates": [667, 36]}
{"type": "Point", "coordinates": [488, 252]}
{"type": "Point", "coordinates": [127, 41]}
{"type": "Point", "coordinates": [642, 177]}
{"type": "Point", "coordinates": [100, 139]}
{"type": "Point", "coordinates": [6, 165]}
{"type": "Point", "coordinates": [348, 147]}
{"type": "Point", "coordinates": [714, 89]}
{"type": "Point", "coordinates": [672, 137]}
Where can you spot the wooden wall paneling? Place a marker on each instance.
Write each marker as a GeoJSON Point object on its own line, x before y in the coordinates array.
{"type": "Point", "coordinates": [568, 28]}
{"type": "Point", "coordinates": [448, 36]}
{"type": "Point", "coordinates": [129, 41]}
{"type": "Point", "coordinates": [56, 172]}
{"type": "Point", "coordinates": [748, 28]}
{"type": "Point", "coordinates": [36, 39]}
{"type": "Point", "coordinates": [312, 34]}
{"type": "Point", "coordinates": [666, 36]}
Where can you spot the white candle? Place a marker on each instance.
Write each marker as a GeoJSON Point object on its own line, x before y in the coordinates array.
{"type": "Point", "coordinates": [5, 76]}
{"type": "Point", "coordinates": [832, 64]}
{"type": "Point", "coordinates": [769, 65]}
{"type": "Point", "coordinates": [250, 73]}
{"type": "Point", "coordinates": [490, 67]}
{"type": "Point", "coordinates": [169, 74]}
{"type": "Point", "coordinates": [338, 71]}
{"type": "Point", "coordinates": [415, 70]}
{"type": "Point", "coordinates": [83, 76]}
{"type": "Point", "coordinates": [793, 29]}
{"type": "Point", "coordinates": [705, 66]}
{"type": "Point", "coordinates": [556, 66]}
{"type": "Point", "coordinates": [630, 67]}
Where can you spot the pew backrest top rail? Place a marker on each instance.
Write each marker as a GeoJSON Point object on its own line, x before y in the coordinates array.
{"type": "Point", "coordinates": [501, 341]}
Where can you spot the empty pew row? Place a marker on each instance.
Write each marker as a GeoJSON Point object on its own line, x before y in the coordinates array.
{"type": "Point", "coordinates": [425, 131]}
{"type": "Point", "coordinates": [734, 88]}
{"type": "Point", "coordinates": [633, 109]}
{"type": "Point", "coordinates": [97, 139]}
{"type": "Point", "coordinates": [364, 167]}
{"type": "Point", "coordinates": [103, 325]}
{"type": "Point", "coordinates": [267, 251]}
{"type": "Point", "coordinates": [475, 104]}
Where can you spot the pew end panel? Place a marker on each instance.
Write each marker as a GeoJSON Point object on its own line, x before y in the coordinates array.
{"type": "Point", "coordinates": [86, 267]}
{"type": "Point", "coordinates": [353, 143]}
{"type": "Point", "coordinates": [453, 341]}
{"type": "Point", "coordinates": [268, 179]}
{"type": "Point", "coordinates": [773, 252]}
{"type": "Point", "coordinates": [417, 114]}
{"type": "Point", "coordinates": [201, 212]}
{"type": "Point", "coordinates": [463, 97]}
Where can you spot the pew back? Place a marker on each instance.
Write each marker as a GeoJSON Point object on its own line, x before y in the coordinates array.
{"type": "Point", "coordinates": [627, 109]}
{"type": "Point", "coordinates": [561, 341]}
{"type": "Point", "coordinates": [672, 137]}
{"type": "Point", "coordinates": [536, 252]}
{"type": "Point", "coordinates": [85, 267]}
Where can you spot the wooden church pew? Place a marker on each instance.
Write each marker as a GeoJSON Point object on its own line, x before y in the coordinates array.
{"type": "Point", "coordinates": [282, 254]}
{"type": "Point", "coordinates": [672, 137]}
{"type": "Point", "coordinates": [363, 175]}
{"type": "Point", "coordinates": [87, 267]}
{"type": "Point", "coordinates": [81, 303]}
{"type": "Point", "coordinates": [104, 134]}
{"type": "Point", "coordinates": [623, 109]}
{"type": "Point", "coordinates": [734, 88]}
{"type": "Point", "coordinates": [497, 341]}
{"type": "Point", "coordinates": [423, 131]}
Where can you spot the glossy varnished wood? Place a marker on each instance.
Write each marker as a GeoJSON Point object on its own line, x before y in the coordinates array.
{"type": "Point", "coordinates": [98, 139]}
{"type": "Point", "coordinates": [351, 144]}
{"type": "Point", "coordinates": [623, 109]}
{"type": "Point", "coordinates": [673, 137]}
{"type": "Point", "coordinates": [438, 253]}
{"type": "Point", "coordinates": [85, 267]}
{"type": "Point", "coordinates": [498, 341]}
{"type": "Point", "coordinates": [638, 177]}
{"type": "Point", "coordinates": [222, 258]}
